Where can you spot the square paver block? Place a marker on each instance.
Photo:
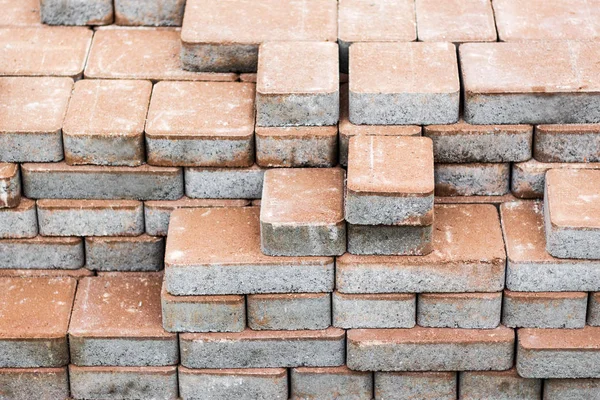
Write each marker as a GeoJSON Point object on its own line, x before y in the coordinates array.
{"type": "Point", "coordinates": [472, 179]}
{"type": "Point", "coordinates": [34, 383]}
{"type": "Point", "coordinates": [202, 124]}
{"type": "Point", "coordinates": [500, 385]}
{"type": "Point", "coordinates": [56, 51]}
{"type": "Point", "coordinates": [32, 110]}
{"type": "Point", "coordinates": [152, 13]}
{"type": "Point", "coordinates": [529, 267]}
{"type": "Point", "coordinates": [35, 317]}
{"type": "Point", "coordinates": [571, 389]}
{"type": "Point", "coordinates": [456, 21]}
{"type": "Point", "coordinates": [223, 36]}
{"type": "Point", "coordinates": [573, 143]}
{"type": "Point", "coordinates": [149, 53]}
{"type": "Point", "coordinates": [411, 385]}
{"type": "Point", "coordinates": [10, 185]}
{"type": "Point", "coordinates": [389, 310]}
{"type": "Point", "coordinates": [505, 83]}
{"type": "Point", "coordinates": [19, 222]}
{"type": "Point", "coordinates": [459, 310]}
{"type": "Point", "coordinates": [117, 321]}
{"type": "Point", "coordinates": [468, 256]}
{"type": "Point", "coordinates": [76, 12]}
{"type": "Point", "coordinates": [127, 254]}
{"type": "Point", "coordinates": [572, 213]}
{"type": "Point", "coordinates": [289, 311]}
{"type": "Point", "coordinates": [20, 13]}
{"type": "Point", "coordinates": [42, 253]}
{"type": "Point", "coordinates": [297, 84]}
{"type": "Point", "coordinates": [403, 83]}
{"type": "Point", "coordinates": [217, 251]}
{"type": "Point", "coordinates": [330, 383]}
{"type": "Point", "coordinates": [302, 212]}
{"type": "Point", "coordinates": [390, 181]}
{"type": "Point", "coordinates": [105, 122]}
{"type": "Point", "coordinates": [224, 183]}
{"type": "Point", "coordinates": [544, 309]}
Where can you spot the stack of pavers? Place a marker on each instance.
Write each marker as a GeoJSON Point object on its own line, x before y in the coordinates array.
{"type": "Point", "coordinates": [350, 220]}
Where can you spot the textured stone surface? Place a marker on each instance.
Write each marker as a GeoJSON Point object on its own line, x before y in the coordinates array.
{"type": "Point", "coordinates": [411, 385]}
{"type": "Point", "coordinates": [330, 383]}
{"type": "Point", "coordinates": [544, 309]}
{"type": "Point", "coordinates": [500, 385]}
{"type": "Point", "coordinates": [490, 179]}
{"type": "Point", "coordinates": [594, 309]}
{"type": "Point", "coordinates": [459, 310]}
{"type": "Point", "coordinates": [154, 13]}
{"type": "Point", "coordinates": [10, 185]}
{"type": "Point", "coordinates": [20, 13]}
{"type": "Point", "coordinates": [390, 239]}
{"type": "Point", "coordinates": [76, 12]}
{"type": "Point", "coordinates": [567, 143]}
{"type": "Point", "coordinates": [495, 200]}
{"type": "Point", "coordinates": [224, 183]}
{"type": "Point", "coordinates": [295, 311]}
{"type": "Point", "coordinates": [42, 252]}
{"type": "Point", "coordinates": [19, 222]}
{"type": "Point", "coordinates": [46, 273]}
{"type": "Point", "coordinates": [373, 310]}
{"type": "Point", "coordinates": [38, 383]}
{"type": "Point", "coordinates": [571, 389]}
{"type": "Point", "coordinates": [139, 253]}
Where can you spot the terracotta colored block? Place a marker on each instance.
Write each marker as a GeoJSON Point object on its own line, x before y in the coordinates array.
{"type": "Point", "coordinates": [42, 252]}
{"type": "Point", "coordinates": [90, 217]}
{"type": "Point", "coordinates": [559, 353]}
{"type": "Point", "coordinates": [593, 316]}
{"type": "Point", "coordinates": [459, 310]}
{"type": "Point", "coordinates": [530, 268]}
{"type": "Point", "coordinates": [10, 185]}
{"type": "Point", "coordinates": [302, 212]}
{"type": "Point", "coordinates": [116, 321]}
{"type": "Point", "coordinates": [224, 183]}
{"type": "Point", "coordinates": [384, 21]}
{"type": "Point", "coordinates": [411, 385]}
{"type": "Point", "coordinates": [430, 349]}
{"type": "Point", "coordinates": [76, 12]}
{"type": "Point", "coordinates": [297, 84]}
{"type": "Point", "coordinates": [466, 143]}
{"type": "Point", "coordinates": [501, 385]}
{"type": "Point", "coordinates": [104, 124]}
{"type": "Point", "coordinates": [43, 51]}
{"type": "Point", "coordinates": [330, 383]}
{"type": "Point", "coordinates": [504, 83]}
{"type": "Point", "coordinates": [158, 212]}
{"type": "Point", "coordinates": [544, 309]}
{"type": "Point", "coordinates": [46, 273]}
{"type": "Point", "coordinates": [115, 383]}
{"type": "Point", "coordinates": [572, 213]}
{"type": "Point", "coordinates": [35, 316]}
{"type": "Point", "coordinates": [495, 200]}
{"type": "Point", "coordinates": [352, 311]}
{"type": "Point", "coordinates": [390, 239]}
{"type": "Point", "coordinates": [20, 13]}
{"type": "Point", "coordinates": [476, 179]}
{"type": "Point", "coordinates": [567, 143]}
{"type": "Point", "coordinates": [27, 134]}
{"type": "Point", "coordinates": [289, 311]}
{"type": "Point", "coordinates": [59, 180]}
{"type": "Point", "coordinates": [240, 384]}
{"type": "Point", "coordinates": [468, 257]}
{"type": "Point", "coordinates": [263, 349]}
{"type": "Point", "coordinates": [248, 77]}
{"type": "Point", "coordinates": [19, 222]}
{"type": "Point", "coordinates": [203, 124]}
{"type": "Point", "coordinates": [390, 181]}
{"type": "Point", "coordinates": [404, 83]}
{"type": "Point", "coordinates": [223, 36]}
{"type": "Point", "coordinates": [571, 389]}
{"type": "Point", "coordinates": [153, 13]}
{"type": "Point", "coordinates": [144, 53]}
{"type": "Point", "coordinates": [217, 251]}
{"type": "Point", "coordinates": [30, 383]}
{"type": "Point", "coordinates": [456, 21]}
{"type": "Point", "coordinates": [139, 253]}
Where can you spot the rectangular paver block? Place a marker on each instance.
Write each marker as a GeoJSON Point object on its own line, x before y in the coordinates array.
{"type": "Point", "coordinates": [500, 385]}
{"type": "Point", "coordinates": [294, 311]}
{"type": "Point", "coordinates": [153, 13]}
{"type": "Point", "coordinates": [10, 185]}
{"type": "Point", "coordinates": [411, 385]}
{"type": "Point", "coordinates": [390, 239]}
{"type": "Point", "coordinates": [330, 383]}
{"type": "Point", "coordinates": [571, 389]}
{"type": "Point", "coordinates": [42, 252]}
{"type": "Point", "coordinates": [19, 222]}
{"type": "Point", "coordinates": [459, 310]}
{"type": "Point", "coordinates": [352, 311]}
{"type": "Point", "coordinates": [38, 383]}
{"type": "Point", "coordinates": [224, 183]}
{"type": "Point", "coordinates": [77, 12]}
{"type": "Point", "coordinates": [476, 179]}
{"type": "Point", "coordinates": [138, 253]}
{"type": "Point", "coordinates": [567, 143]}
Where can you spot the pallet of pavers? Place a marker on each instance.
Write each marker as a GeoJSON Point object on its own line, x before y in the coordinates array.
{"type": "Point", "coordinates": [307, 200]}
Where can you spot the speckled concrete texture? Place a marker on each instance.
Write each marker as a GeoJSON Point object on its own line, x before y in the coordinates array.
{"type": "Point", "coordinates": [352, 311]}
{"type": "Point", "coordinates": [419, 385]}
{"type": "Point", "coordinates": [76, 12]}
{"type": "Point", "coordinates": [289, 311]}
{"type": "Point", "coordinates": [224, 183]}
{"type": "Point", "coordinates": [19, 222]}
{"type": "Point", "coordinates": [330, 384]}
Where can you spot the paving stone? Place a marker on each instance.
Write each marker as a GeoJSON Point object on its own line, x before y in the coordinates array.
{"type": "Point", "coordinates": [76, 12]}
{"type": "Point", "coordinates": [46, 273]}
{"type": "Point", "coordinates": [104, 124]}
{"type": "Point", "coordinates": [19, 222]}
{"type": "Point", "coordinates": [10, 185]}
{"type": "Point", "coordinates": [42, 252]}
{"type": "Point", "coordinates": [567, 143]}
{"type": "Point", "coordinates": [459, 310]}
{"type": "Point", "coordinates": [35, 317]}
{"type": "Point", "coordinates": [289, 311]}
{"type": "Point", "coordinates": [223, 36]}
{"type": "Point", "coordinates": [383, 21]}
{"type": "Point", "coordinates": [500, 385]}
{"type": "Point", "coordinates": [203, 313]}
{"type": "Point", "coordinates": [217, 251]}
{"type": "Point", "coordinates": [352, 311]}
{"type": "Point", "coordinates": [330, 383]}
{"type": "Point", "coordinates": [142, 53]}
{"type": "Point", "coordinates": [558, 353]}
{"type": "Point", "coordinates": [495, 200]}
{"type": "Point", "coordinates": [572, 213]}
{"type": "Point", "coordinates": [473, 179]}
{"type": "Point", "coordinates": [297, 84]}
{"type": "Point", "coordinates": [20, 13]}
{"type": "Point", "coordinates": [114, 383]}
{"type": "Point", "coordinates": [44, 51]}
{"type": "Point", "coordinates": [242, 384]}
{"type": "Point", "coordinates": [263, 349]}
{"type": "Point", "coordinates": [404, 83]}
{"type": "Point", "coordinates": [468, 256]}
{"type": "Point", "coordinates": [390, 181]}
{"type": "Point", "coordinates": [549, 19]}
{"type": "Point", "coordinates": [430, 349]}
{"type": "Point", "coordinates": [302, 212]}
{"type": "Point", "coordinates": [32, 134]}
{"type": "Point", "coordinates": [411, 385]}
{"type": "Point", "coordinates": [297, 146]}
{"type": "Point", "coordinates": [224, 183]}
{"type": "Point", "coordinates": [466, 143]}
{"type": "Point", "coordinates": [571, 389]}
{"type": "Point", "coordinates": [205, 124]}
{"type": "Point", "coordinates": [155, 13]}
{"type": "Point", "coordinates": [38, 383]}
{"type": "Point", "coordinates": [139, 253]}
{"type": "Point", "coordinates": [116, 321]}
{"type": "Point", "coordinates": [593, 316]}
{"type": "Point", "coordinates": [530, 268]}
{"type": "Point", "coordinates": [544, 309]}
{"type": "Point", "coordinates": [504, 83]}
{"type": "Point", "coordinates": [456, 21]}
{"type": "Point", "coordinates": [59, 180]}
{"type": "Point", "coordinates": [390, 239]}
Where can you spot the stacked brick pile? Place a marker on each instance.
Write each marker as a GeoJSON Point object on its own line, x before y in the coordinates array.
{"type": "Point", "coordinates": [391, 199]}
